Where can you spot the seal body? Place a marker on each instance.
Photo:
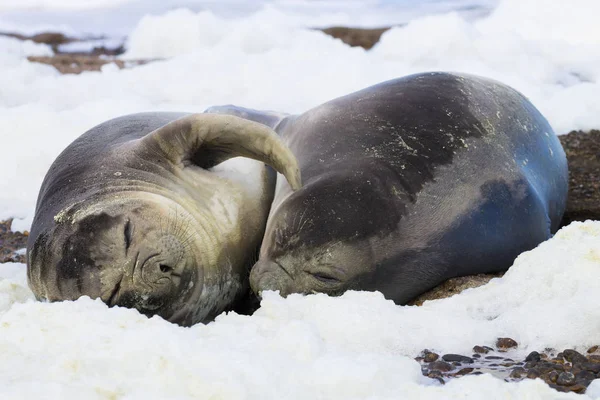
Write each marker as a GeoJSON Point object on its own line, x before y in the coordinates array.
{"type": "Point", "coordinates": [410, 182]}
{"type": "Point", "coordinates": [151, 211]}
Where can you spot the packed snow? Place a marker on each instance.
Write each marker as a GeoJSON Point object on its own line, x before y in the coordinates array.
{"type": "Point", "coordinates": [355, 346]}
{"type": "Point", "coordinates": [265, 56]}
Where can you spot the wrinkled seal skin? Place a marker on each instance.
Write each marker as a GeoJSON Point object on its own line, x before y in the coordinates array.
{"type": "Point", "coordinates": [145, 211]}
{"type": "Point", "coordinates": [410, 182]}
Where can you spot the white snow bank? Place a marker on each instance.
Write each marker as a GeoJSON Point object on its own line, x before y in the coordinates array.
{"type": "Point", "coordinates": [355, 346]}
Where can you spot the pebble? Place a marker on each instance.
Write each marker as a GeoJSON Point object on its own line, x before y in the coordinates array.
{"type": "Point", "coordinates": [464, 371]}
{"type": "Point", "coordinates": [533, 356]}
{"type": "Point", "coordinates": [592, 349]}
{"type": "Point", "coordinates": [517, 372]}
{"type": "Point", "coordinates": [457, 358]}
{"type": "Point", "coordinates": [566, 370]}
{"type": "Point", "coordinates": [431, 357]}
{"type": "Point", "coordinates": [552, 376]}
{"type": "Point", "coordinates": [591, 366]}
{"type": "Point", "coordinates": [585, 376]}
{"type": "Point", "coordinates": [440, 366]}
{"type": "Point", "coordinates": [573, 356]}
{"type": "Point", "coordinates": [505, 344]}
{"type": "Point", "coordinates": [481, 349]}
{"type": "Point", "coordinates": [565, 379]}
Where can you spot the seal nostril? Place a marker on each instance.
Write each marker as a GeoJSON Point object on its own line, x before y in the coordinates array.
{"type": "Point", "coordinates": [165, 268]}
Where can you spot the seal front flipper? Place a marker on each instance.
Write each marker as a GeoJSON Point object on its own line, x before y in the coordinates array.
{"type": "Point", "coordinates": [269, 118]}
{"type": "Point", "coordinates": [207, 140]}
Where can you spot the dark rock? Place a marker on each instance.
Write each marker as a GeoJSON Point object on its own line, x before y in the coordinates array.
{"type": "Point", "coordinates": [493, 358]}
{"type": "Point", "coordinates": [505, 344]}
{"type": "Point", "coordinates": [430, 357]}
{"type": "Point", "coordinates": [530, 364]}
{"type": "Point", "coordinates": [532, 374]}
{"type": "Point", "coordinates": [457, 358]}
{"type": "Point", "coordinates": [440, 366]}
{"type": "Point", "coordinates": [533, 356]}
{"type": "Point", "coordinates": [584, 376]}
{"type": "Point", "coordinates": [591, 366]}
{"type": "Point", "coordinates": [592, 349]}
{"type": "Point", "coordinates": [476, 355]}
{"type": "Point", "coordinates": [565, 379]}
{"type": "Point", "coordinates": [437, 375]}
{"type": "Point", "coordinates": [573, 356]}
{"type": "Point", "coordinates": [464, 371]}
{"type": "Point", "coordinates": [517, 372]}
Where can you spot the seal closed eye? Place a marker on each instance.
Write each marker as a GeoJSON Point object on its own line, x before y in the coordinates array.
{"type": "Point", "coordinates": [148, 211]}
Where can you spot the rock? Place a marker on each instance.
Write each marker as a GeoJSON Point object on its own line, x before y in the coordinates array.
{"type": "Point", "coordinates": [430, 357]}
{"type": "Point", "coordinates": [551, 377]}
{"type": "Point", "coordinates": [592, 349]}
{"type": "Point", "coordinates": [533, 356]}
{"type": "Point", "coordinates": [585, 376]}
{"type": "Point", "coordinates": [356, 37]}
{"type": "Point", "coordinates": [440, 366]}
{"type": "Point", "coordinates": [565, 379]}
{"type": "Point", "coordinates": [573, 356]}
{"type": "Point", "coordinates": [481, 349]}
{"type": "Point", "coordinates": [457, 358]}
{"type": "Point", "coordinates": [464, 371]}
{"type": "Point", "coordinates": [505, 344]}
{"type": "Point", "coordinates": [532, 374]}
{"type": "Point", "coordinates": [517, 372]}
{"type": "Point", "coordinates": [11, 242]}
{"type": "Point", "coordinates": [591, 366]}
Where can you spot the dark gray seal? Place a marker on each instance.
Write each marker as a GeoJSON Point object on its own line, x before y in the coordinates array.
{"type": "Point", "coordinates": [410, 182]}
{"type": "Point", "coordinates": [145, 211]}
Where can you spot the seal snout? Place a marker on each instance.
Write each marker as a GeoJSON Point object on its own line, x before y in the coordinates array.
{"type": "Point", "coordinates": [270, 275]}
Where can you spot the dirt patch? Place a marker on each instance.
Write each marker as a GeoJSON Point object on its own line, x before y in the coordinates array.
{"type": "Point", "coordinates": [356, 37]}
{"type": "Point", "coordinates": [76, 64]}
{"type": "Point", "coordinates": [583, 155]}
{"type": "Point", "coordinates": [12, 244]}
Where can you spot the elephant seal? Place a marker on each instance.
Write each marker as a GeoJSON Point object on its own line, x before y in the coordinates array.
{"type": "Point", "coordinates": [411, 182]}
{"type": "Point", "coordinates": [144, 211]}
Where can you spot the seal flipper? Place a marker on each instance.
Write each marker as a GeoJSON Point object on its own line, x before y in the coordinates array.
{"type": "Point", "coordinates": [206, 140]}
{"type": "Point", "coordinates": [268, 118]}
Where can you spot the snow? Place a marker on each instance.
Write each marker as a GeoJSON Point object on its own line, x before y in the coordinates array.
{"type": "Point", "coordinates": [261, 55]}
{"type": "Point", "coordinates": [355, 346]}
